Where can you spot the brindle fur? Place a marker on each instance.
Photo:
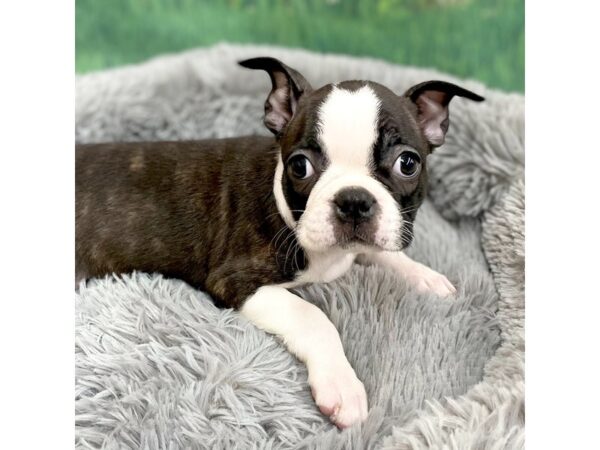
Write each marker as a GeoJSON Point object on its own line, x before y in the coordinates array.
{"type": "Point", "coordinates": [202, 212]}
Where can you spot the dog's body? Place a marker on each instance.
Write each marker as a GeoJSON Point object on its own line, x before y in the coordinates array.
{"type": "Point", "coordinates": [170, 207]}
{"type": "Point", "coordinates": [246, 219]}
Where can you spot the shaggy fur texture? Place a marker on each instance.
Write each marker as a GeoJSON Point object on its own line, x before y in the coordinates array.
{"type": "Point", "coordinates": [492, 414]}
{"type": "Point", "coordinates": [158, 366]}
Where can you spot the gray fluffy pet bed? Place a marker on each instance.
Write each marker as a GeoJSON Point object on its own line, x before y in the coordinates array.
{"type": "Point", "coordinates": [159, 366]}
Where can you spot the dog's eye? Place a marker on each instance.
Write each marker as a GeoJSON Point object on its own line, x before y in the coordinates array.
{"type": "Point", "coordinates": [408, 165]}
{"type": "Point", "coordinates": [300, 167]}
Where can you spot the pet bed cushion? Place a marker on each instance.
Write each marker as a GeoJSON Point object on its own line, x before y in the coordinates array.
{"type": "Point", "coordinates": [159, 366]}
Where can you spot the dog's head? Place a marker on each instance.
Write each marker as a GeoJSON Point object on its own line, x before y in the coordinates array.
{"type": "Point", "coordinates": [352, 170]}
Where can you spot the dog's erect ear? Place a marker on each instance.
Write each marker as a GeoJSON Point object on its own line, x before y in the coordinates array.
{"type": "Point", "coordinates": [432, 99]}
{"type": "Point", "coordinates": [288, 87]}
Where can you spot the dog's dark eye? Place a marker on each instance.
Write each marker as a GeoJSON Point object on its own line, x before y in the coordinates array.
{"type": "Point", "coordinates": [408, 165]}
{"type": "Point", "coordinates": [300, 167]}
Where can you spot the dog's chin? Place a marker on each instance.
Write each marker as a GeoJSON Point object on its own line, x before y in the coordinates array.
{"type": "Point", "coordinates": [345, 245]}
{"type": "Point", "coordinates": [358, 247]}
{"type": "Point", "coordinates": [352, 241]}
{"type": "Point", "coordinates": [355, 246]}
{"type": "Point", "coordinates": [358, 243]}
{"type": "Point", "coordinates": [368, 244]}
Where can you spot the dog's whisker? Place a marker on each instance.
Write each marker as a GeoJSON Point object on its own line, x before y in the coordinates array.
{"type": "Point", "coordinates": [408, 210]}
{"type": "Point", "coordinates": [291, 235]}
{"type": "Point", "coordinates": [274, 244]}
{"type": "Point", "coordinates": [296, 248]}
{"type": "Point", "coordinates": [287, 254]}
{"type": "Point", "coordinates": [292, 248]}
{"type": "Point", "coordinates": [277, 236]}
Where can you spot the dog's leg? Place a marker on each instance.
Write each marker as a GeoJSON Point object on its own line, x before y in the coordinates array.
{"type": "Point", "coordinates": [308, 334]}
{"type": "Point", "coordinates": [422, 277]}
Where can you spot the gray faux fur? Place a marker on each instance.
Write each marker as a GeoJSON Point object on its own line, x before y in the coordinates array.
{"type": "Point", "coordinates": [158, 366]}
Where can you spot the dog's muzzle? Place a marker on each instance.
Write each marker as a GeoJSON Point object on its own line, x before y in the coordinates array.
{"type": "Point", "coordinates": [355, 213]}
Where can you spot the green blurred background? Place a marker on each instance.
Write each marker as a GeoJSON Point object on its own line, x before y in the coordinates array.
{"type": "Point", "coordinates": [480, 39]}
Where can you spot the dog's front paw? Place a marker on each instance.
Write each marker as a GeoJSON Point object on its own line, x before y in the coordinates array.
{"type": "Point", "coordinates": [427, 280]}
{"type": "Point", "coordinates": [339, 394]}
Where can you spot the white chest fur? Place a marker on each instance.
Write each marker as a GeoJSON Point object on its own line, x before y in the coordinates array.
{"type": "Point", "coordinates": [325, 267]}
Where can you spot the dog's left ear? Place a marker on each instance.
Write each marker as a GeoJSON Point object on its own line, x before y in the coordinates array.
{"type": "Point", "coordinates": [432, 99]}
{"type": "Point", "coordinates": [288, 85]}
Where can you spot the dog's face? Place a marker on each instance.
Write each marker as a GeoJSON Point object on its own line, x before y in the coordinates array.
{"type": "Point", "coordinates": [352, 170]}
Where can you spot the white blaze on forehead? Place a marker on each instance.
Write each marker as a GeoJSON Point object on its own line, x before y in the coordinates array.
{"type": "Point", "coordinates": [348, 126]}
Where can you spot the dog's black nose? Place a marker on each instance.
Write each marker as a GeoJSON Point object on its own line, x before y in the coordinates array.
{"type": "Point", "coordinates": [354, 205]}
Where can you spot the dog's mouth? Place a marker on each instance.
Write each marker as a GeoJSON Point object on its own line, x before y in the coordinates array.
{"type": "Point", "coordinates": [350, 235]}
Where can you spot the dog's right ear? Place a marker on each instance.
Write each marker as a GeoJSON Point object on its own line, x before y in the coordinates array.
{"type": "Point", "coordinates": [288, 86]}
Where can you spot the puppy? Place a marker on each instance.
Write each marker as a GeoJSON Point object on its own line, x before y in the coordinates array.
{"type": "Point", "coordinates": [248, 218]}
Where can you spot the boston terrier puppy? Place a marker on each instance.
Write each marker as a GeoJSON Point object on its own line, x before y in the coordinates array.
{"type": "Point", "coordinates": [247, 219]}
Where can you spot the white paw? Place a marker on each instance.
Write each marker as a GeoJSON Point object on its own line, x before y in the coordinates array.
{"type": "Point", "coordinates": [338, 393]}
{"type": "Point", "coordinates": [427, 280]}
